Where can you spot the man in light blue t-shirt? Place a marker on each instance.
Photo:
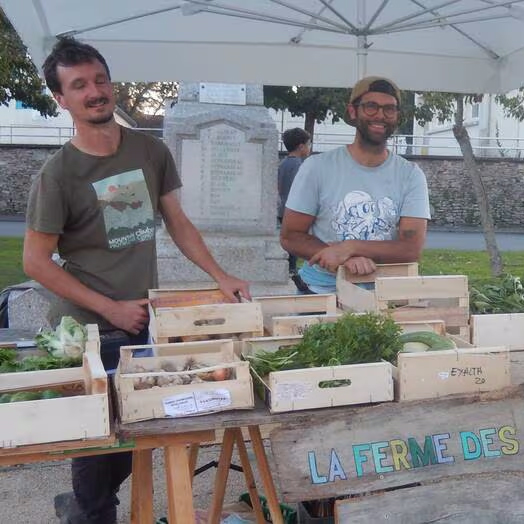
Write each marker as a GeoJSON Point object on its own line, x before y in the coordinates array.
{"type": "Point", "coordinates": [360, 204]}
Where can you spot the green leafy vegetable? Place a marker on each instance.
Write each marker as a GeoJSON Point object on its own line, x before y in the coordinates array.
{"type": "Point", "coordinates": [502, 296]}
{"type": "Point", "coordinates": [40, 363]}
{"type": "Point", "coordinates": [68, 339]}
{"type": "Point", "coordinates": [353, 339]}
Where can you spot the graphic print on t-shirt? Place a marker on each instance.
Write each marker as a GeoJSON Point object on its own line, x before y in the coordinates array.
{"type": "Point", "coordinates": [126, 204]}
{"type": "Point", "coordinates": [359, 217]}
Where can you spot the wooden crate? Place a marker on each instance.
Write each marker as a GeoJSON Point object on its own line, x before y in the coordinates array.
{"type": "Point", "coordinates": [426, 298]}
{"type": "Point", "coordinates": [83, 413]}
{"type": "Point", "coordinates": [286, 315]}
{"type": "Point", "coordinates": [298, 389]}
{"type": "Point", "coordinates": [167, 323]}
{"type": "Point", "coordinates": [184, 399]}
{"type": "Point", "coordinates": [183, 297]}
{"type": "Point", "coordinates": [498, 329]}
{"type": "Point", "coordinates": [355, 298]}
{"type": "Point", "coordinates": [434, 374]}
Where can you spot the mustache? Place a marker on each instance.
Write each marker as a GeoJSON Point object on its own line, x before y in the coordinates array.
{"type": "Point", "coordinates": [96, 101]}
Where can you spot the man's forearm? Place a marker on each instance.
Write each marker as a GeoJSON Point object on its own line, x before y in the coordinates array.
{"type": "Point", "coordinates": [383, 251]}
{"type": "Point", "coordinates": [302, 245]}
{"type": "Point", "coordinates": [60, 282]}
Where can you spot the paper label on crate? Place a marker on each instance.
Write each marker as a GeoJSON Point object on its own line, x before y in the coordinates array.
{"type": "Point", "coordinates": [293, 391]}
{"type": "Point", "coordinates": [196, 402]}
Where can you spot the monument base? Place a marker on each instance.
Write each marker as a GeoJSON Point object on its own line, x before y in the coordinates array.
{"type": "Point", "coordinates": [259, 259]}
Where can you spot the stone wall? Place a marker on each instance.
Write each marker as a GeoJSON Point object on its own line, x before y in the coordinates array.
{"type": "Point", "coordinates": [18, 164]}
{"type": "Point", "coordinates": [451, 194]}
{"type": "Point", "coordinates": [453, 201]}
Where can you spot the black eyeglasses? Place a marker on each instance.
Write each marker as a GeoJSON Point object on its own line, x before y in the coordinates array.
{"type": "Point", "coordinates": [371, 109]}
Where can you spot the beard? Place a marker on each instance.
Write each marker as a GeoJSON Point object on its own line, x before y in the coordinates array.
{"type": "Point", "coordinates": [371, 138]}
{"type": "Point", "coordinates": [102, 118]}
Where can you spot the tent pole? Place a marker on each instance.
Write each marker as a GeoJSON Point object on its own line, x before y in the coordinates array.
{"type": "Point", "coordinates": [362, 40]}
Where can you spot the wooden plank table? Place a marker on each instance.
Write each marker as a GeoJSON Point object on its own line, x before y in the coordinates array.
{"type": "Point", "coordinates": [178, 461]}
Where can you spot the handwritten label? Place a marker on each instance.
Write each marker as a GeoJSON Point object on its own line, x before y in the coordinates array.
{"type": "Point", "coordinates": [293, 391]}
{"type": "Point", "coordinates": [196, 402]}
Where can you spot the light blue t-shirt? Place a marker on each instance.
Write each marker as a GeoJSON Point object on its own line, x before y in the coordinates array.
{"type": "Point", "coordinates": [355, 202]}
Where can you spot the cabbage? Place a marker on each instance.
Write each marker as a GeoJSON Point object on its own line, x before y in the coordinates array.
{"type": "Point", "coordinates": [67, 340]}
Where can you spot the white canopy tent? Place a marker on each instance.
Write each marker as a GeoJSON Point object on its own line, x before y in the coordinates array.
{"type": "Point", "coordinates": [455, 45]}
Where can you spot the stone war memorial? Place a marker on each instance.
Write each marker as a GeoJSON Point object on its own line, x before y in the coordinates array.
{"type": "Point", "coordinates": [225, 145]}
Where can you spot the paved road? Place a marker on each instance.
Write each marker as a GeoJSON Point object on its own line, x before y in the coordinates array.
{"type": "Point", "coordinates": [460, 240]}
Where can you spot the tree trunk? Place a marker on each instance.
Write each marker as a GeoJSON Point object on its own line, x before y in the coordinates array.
{"type": "Point", "coordinates": [309, 125]}
{"type": "Point", "coordinates": [472, 170]}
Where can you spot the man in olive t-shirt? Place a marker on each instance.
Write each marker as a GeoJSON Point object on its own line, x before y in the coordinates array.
{"type": "Point", "coordinates": [95, 202]}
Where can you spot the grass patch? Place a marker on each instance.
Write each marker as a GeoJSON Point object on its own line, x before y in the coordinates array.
{"type": "Point", "coordinates": [474, 264]}
{"type": "Point", "coordinates": [11, 262]}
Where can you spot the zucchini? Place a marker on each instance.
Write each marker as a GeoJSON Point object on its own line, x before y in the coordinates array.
{"type": "Point", "coordinates": [433, 341]}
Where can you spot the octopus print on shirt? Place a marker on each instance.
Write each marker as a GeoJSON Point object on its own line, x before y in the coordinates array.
{"type": "Point", "coordinates": [127, 209]}
{"type": "Point", "coordinates": [359, 217]}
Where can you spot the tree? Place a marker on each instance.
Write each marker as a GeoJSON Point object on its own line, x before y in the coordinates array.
{"type": "Point", "coordinates": [450, 106]}
{"type": "Point", "coordinates": [19, 78]}
{"type": "Point", "coordinates": [140, 99]}
{"type": "Point", "coordinates": [316, 103]}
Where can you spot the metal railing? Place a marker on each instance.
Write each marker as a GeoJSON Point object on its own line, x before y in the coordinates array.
{"type": "Point", "coordinates": [439, 145]}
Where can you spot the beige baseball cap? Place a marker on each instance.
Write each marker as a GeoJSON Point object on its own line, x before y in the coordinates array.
{"type": "Point", "coordinates": [364, 86]}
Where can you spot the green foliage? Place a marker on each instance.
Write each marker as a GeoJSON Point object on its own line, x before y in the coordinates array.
{"type": "Point", "coordinates": [144, 98]}
{"type": "Point", "coordinates": [512, 105]}
{"type": "Point", "coordinates": [316, 103]}
{"type": "Point", "coordinates": [19, 78]}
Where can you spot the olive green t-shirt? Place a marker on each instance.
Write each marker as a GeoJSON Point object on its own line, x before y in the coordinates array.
{"type": "Point", "coordinates": [103, 208]}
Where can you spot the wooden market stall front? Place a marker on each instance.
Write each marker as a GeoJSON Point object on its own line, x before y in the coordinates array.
{"type": "Point", "coordinates": [422, 459]}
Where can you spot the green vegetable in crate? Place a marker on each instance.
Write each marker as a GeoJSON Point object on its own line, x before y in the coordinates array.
{"type": "Point", "coordinates": [5, 398]}
{"type": "Point", "coordinates": [25, 396]}
{"type": "Point", "coordinates": [50, 393]}
{"type": "Point", "coordinates": [505, 295]}
{"type": "Point", "coordinates": [416, 341]}
{"type": "Point", "coordinates": [353, 339]}
{"type": "Point", "coordinates": [68, 339]}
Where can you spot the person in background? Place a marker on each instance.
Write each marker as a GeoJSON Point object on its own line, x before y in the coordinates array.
{"type": "Point", "coordinates": [298, 144]}
{"type": "Point", "coordinates": [360, 204]}
{"type": "Point", "coordinates": [95, 201]}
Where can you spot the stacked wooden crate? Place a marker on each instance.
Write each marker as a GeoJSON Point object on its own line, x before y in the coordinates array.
{"type": "Point", "coordinates": [183, 315]}
{"type": "Point", "coordinates": [81, 413]}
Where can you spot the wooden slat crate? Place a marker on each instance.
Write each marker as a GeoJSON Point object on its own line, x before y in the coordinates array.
{"type": "Point", "coordinates": [426, 298]}
{"type": "Point", "coordinates": [171, 323]}
{"type": "Point", "coordinates": [82, 413]}
{"type": "Point", "coordinates": [434, 374]}
{"type": "Point", "coordinates": [355, 298]}
{"type": "Point", "coordinates": [294, 390]}
{"type": "Point", "coordinates": [276, 309]}
{"type": "Point", "coordinates": [183, 297]}
{"type": "Point", "coordinates": [175, 400]}
{"type": "Point", "coordinates": [498, 329]}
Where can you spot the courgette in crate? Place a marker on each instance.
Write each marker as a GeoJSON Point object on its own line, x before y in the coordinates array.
{"type": "Point", "coordinates": [425, 341]}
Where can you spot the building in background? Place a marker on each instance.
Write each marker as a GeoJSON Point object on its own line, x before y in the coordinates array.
{"type": "Point", "coordinates": [492, 133]}
{"type": "Point", "coordinates": [23, 125]}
